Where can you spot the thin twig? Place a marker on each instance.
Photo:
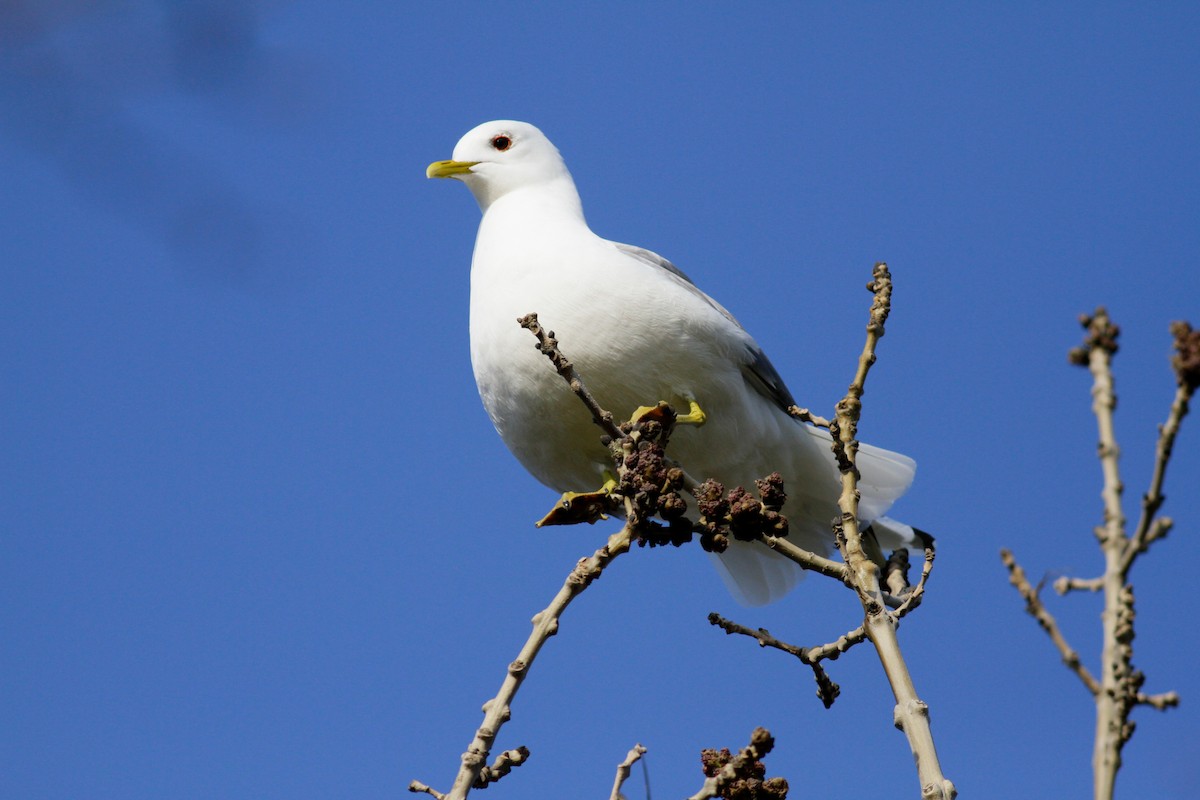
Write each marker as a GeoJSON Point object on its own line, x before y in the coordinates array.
{"type": "Point", "coordinates": [1149, 529]}
{"type": "Point", "coordinates": [805, 415]}
{"type": "Point", "coordinates": [497, 711]}
{"type": "Point", "coordinates": [548, 345]}
{"type": "Point", "coordinates": [807, 559]}
{"type": "Point", "coordinates": [914, 597]}
{"type": "Point", "coordinates": [911, 714]}
{"type": "Point", "coordinates": [1066, 585]}
{"type": "Point", "coordinates": [418, 787]}
{"type": "Point", "coordinates": [503, 765]}
{"type": "Point", "coordinates": [623, 770]}
{"type": "Point", "coordinates": [1033, 604]}
{"type": "Point", "coordinates": [827, 689]}
{"type": "Point", "coordinates": [1160, 701]}
{"type": "Point", "coordinates": [1117, 690]}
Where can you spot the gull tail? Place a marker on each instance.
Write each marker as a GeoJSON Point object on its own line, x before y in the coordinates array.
{"type": "Point", "coordinates": [756, 575]}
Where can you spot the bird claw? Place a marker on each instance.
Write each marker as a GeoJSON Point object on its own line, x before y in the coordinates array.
{"type": "Point", "coordinates": [695, 415]}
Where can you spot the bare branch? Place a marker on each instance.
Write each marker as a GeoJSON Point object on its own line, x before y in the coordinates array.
{"type": "Point", "coordinates": [1065, 585]}
{"type": "Point", "coordinates": [914, 597]}
{"type": "Point", "coordinates": [1033, 604]}
{"type": "Point", "coordinates": [827, 689]}
{"type": "Point", "coordinates": [548, 345]}
{"type": "Point", "coordinates": [1120, 684]}
{"type": "Point", "coordinates": [1149, 529]}
{"type": "Point", "coordinates": [804, 415]}
{"type": "Point", "coordinates": [911, 714]}
{"type": "Point", "coordinates": [418, 787]}
{"type": "Point", "coordinates": [623, 770]}
{"type": "Point", "coordinates": [503, 765]}
{"type": "Point", "coordinates": [1160, 701]}
{"type": "Point", "coordinates": [807, 559]}
{"type": "Point", "coordinates": [497, 711]}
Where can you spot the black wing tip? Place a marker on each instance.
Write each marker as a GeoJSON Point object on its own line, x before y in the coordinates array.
{"type": "Point", "coordinates": [926, 538]}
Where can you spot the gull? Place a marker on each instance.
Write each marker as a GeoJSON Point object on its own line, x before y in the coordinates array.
{"type": "Point", "coordinates": [639, 331]}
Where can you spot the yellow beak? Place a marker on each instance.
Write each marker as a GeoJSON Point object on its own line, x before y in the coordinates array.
{"type": "Point", "coordinates": [448, 169]}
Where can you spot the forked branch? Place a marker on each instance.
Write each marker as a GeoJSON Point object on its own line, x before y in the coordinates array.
{"type": "Point", "coordinates": [1117, 690]}
{"type": "Point", "coordinates": [911, 713]}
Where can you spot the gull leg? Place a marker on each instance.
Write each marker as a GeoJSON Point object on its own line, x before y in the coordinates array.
{"type": "Point", "coordinates": [695, 415]}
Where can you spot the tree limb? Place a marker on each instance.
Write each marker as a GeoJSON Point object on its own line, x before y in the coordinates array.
{"type": "Point", "coordinates": [623, 770]}
{"type": "Point", "coordinates": [911, 714]}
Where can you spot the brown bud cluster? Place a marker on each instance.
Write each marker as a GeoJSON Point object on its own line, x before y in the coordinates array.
{"type": "Point", "coordinates": [1186, 361]}
{"type": "Point", "coordinates": [655, 488]}
{"type": "Point", "coordinates": [739, 514]}
{"type": "Point", "coordinates": [1102, 333]}
{"type": "Point", "coordinates": [714, 510]}
{"type": "Point", "coordinates": [750, 781]}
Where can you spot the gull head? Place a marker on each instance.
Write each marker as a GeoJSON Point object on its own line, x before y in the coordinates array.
{"type": "Point", "coordinates": [498, 157]}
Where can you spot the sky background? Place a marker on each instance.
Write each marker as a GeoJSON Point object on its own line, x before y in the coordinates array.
{"type": "Point", "coordinates": [258, 538]}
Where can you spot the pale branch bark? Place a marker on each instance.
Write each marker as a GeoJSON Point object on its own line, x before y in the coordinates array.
{"type": "Point", "coordinates": [1033, 604]}
{"type": "Point", "coordinates": [498, 710]}
{"type": "Point", "coordinates": [825, 566]}
{"type": "Point", "coordinates": [1186, 364]}
{"type": "Point", "coordinates": [808, 559]}
{"type": "Point", "coordinates": [1119, 682]}
{"type": "Point", "coordinates": [827, 689]}
{"type": "Point", "coordinates": [623, 770]}
{"type": "Point", "coordinates": [1065, 585]}
{"type": "Point", "coordinates": [911, 714]}
{"type": "Point", "coordinates": [1149, 528]}
{"type": "Point", "coordinates": [913, 597]}
{"type": "Point", "coordinates": [418, 788]}
{"type": "Point", "coordinates": [503, 765]}
{"type": "Point", "coordinates": [1160, 701]}
{"type": "Point", "coordinates": [1117, 688]}
{"type": "Point", "coordinates": [805, 415]}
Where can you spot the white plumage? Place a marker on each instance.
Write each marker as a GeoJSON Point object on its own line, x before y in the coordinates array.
{"type": "Point", "coordinates": [638, 332]}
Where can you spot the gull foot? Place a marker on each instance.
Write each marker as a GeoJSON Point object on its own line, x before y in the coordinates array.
{"type": "Point", "coordinates": [695, 415]}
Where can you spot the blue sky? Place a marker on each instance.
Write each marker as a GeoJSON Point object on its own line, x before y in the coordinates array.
{"type": "Point", "coordinates": [259, 538]}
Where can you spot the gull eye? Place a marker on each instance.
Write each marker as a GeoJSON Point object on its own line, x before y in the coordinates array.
{"type": "Point", "coordinates": [502, 142]}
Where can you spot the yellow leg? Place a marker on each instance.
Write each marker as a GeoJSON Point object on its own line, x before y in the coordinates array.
{"type": "Point", "coordinates": [695, 415]}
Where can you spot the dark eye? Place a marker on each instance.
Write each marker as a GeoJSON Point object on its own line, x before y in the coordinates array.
{"type": "Point", "coordinates": [502, 142]}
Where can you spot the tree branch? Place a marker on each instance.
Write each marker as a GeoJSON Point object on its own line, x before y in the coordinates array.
{"type": "Point", "coordinates": [1117, 689]}
{"type": "Point", "coordinates": [911, 714]}
{"type": "Point", "coordinates": [623, 770]}
{"type": "Point", "coordinates": [1033, 604]}
{"type": "Point", "coordinates": [827, 689]}
{"type": "Point", "coordinates": [1065, 585]}
{"type": "Point", "coordinates": [498, 710]}
{"type": "Point", "coordinates": [548, 346]}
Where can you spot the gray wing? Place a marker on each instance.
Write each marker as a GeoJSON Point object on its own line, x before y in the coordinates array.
{"type": "Point", "coordinates": [758, 370]}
